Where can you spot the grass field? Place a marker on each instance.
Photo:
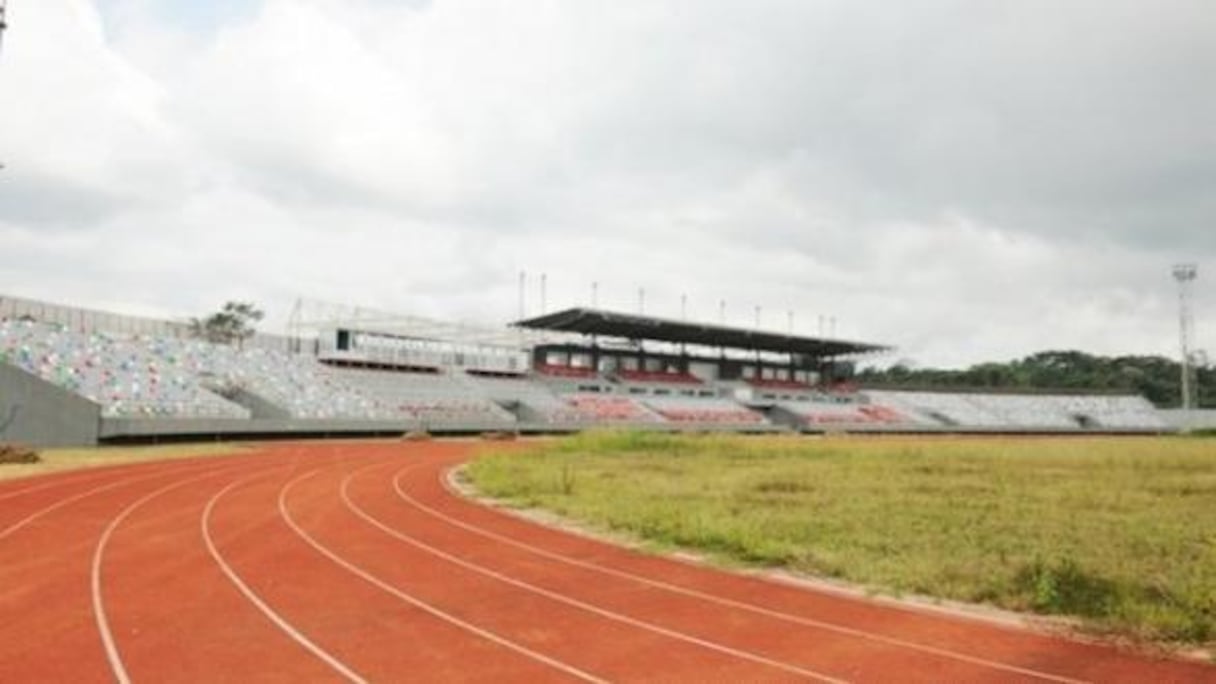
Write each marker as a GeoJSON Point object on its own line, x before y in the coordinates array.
{"type": "Point", "coordinates": [56, 460]}
{"type": "Point", "coordinates": [1120, 532]}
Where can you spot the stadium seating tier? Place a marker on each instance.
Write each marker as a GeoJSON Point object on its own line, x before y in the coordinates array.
{"type": "Point", "coordinates": [134, 376]}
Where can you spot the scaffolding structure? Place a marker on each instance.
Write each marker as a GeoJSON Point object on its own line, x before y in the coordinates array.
{"type": "Point", "coordinates": [310, 317]}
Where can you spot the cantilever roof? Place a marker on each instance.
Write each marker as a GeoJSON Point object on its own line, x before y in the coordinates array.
{"type": "Point", "coordinates": [630, 326]}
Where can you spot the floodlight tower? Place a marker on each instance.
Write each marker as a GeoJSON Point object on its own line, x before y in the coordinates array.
{"type": "Point", "coordinates": [1186, 274]}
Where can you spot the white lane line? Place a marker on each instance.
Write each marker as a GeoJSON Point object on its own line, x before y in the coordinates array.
{"type": "Point", "coordinates": [99, 610]}
{"type": "Point", "coordinates": [418, 603]}
{"type": "Point", "coordinates": [71, 499]}
{"type": "Point", "coordinates": [693, 593]}
{"type": "Point", "coordinates": [261, 605]}
{"type": "Point", "coordinates": [573, 602]}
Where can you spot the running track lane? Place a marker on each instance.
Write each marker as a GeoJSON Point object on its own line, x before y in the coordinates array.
{"type": "Point", "coordinates": [47, 627]}
{"type": "Point", "coordinates": [354, 562]}
{"type": "Point", "coordinates": [379, 635]}
{"type": "Point", "coordinates": [612, 645]}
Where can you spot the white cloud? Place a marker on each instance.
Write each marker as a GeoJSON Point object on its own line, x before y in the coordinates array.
{"type": "Point", "coordinates": [967, 181]}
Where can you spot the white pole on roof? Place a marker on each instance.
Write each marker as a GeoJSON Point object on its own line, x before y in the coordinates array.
{"type": "Point", "coordinates": [722, 311]}
{"type": "Point", "coordinates": [595, 294]}
{"type": "Point", "coordinates": [790, 314]}
{"type": "Point", "coordinates": [757, 317]}
{"type": "Point", "coordinates": [544, 282]}
{"type": "Point", "coordinates": [683, 307]}
{"type": "Point", "coordinates": [641, 301]}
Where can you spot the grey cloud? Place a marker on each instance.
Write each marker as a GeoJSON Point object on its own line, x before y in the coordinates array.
{"type": "Point", "coordinates": [49, 203]}
{"type": "Point", "coordinates": [911, 168]}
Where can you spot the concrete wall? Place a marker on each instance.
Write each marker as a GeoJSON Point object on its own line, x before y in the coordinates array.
{"type": "Point", "coordinates": [154, 429]}
{"type": "Point", "coordinates": [1190, 420]}
{"type": "Point", "coordinates": [259, 407]}
{"type": "Point", "coordinates": [230, 428]}
{"type": "Point", "coordinates": [214, 428]}
{"type": "Point", "coordinates": [35, 412]}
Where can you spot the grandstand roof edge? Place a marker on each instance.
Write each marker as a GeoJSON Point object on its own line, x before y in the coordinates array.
{"type": "Point", "coordinates": [587, 321]}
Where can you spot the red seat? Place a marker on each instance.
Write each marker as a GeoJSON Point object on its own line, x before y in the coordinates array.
{"type": "Point", "coordinates": [566, 371]}
{"type": "Point", "coordinates": [773, 383]}
{"type": "Point", "coordinates": [658, 376]}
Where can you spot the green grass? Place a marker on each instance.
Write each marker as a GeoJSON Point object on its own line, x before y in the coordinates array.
{"type": "Point", "coordinates": [58, 460]}
{"type": "Point", "coordinates": [1120, 532]}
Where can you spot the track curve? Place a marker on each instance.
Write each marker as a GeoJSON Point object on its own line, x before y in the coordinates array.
{"type": "Point", "coordinates": [356, 562]}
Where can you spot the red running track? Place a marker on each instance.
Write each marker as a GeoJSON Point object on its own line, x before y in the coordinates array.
{"type": "Point", "coordinates": [355, 562]}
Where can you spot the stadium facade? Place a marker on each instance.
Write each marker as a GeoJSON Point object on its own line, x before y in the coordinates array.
{"type": "Point", "coordinates": [72, 376]}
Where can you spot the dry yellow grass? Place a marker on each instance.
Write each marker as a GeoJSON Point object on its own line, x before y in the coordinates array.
{"type": "Point", "coordinates": [59, 460]}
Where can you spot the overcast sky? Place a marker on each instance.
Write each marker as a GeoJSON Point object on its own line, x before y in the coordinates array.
{"type": "Point", "coordinates": [971, 180]}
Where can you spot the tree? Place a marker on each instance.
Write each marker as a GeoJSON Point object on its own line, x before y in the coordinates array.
{"type": "Point", "coordinates": [1155, 377]}
{"type": "Point", "coordinates": [232, 324]}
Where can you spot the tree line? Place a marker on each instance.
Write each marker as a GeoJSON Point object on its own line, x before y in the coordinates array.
{"type": "Point", "coordinates": [1155, 377]}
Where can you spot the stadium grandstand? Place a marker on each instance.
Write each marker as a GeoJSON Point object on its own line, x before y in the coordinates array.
{"type": "Point", "coordinates": [77, 376]}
